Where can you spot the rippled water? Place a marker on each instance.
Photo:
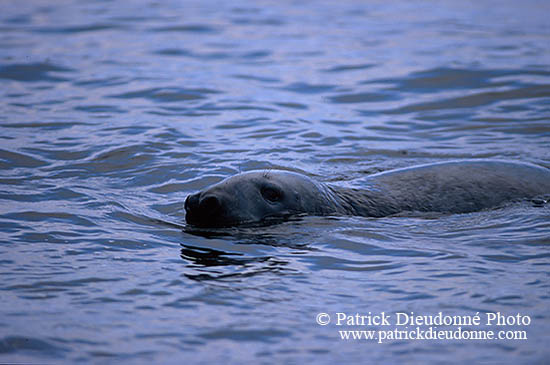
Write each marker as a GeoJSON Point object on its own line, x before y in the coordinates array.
{"type": "Point", "coordinates": [113, 112]}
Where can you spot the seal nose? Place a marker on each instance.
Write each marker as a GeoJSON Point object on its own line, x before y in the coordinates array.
{"type": "Point", "coordinates": [191, 202]}
{"type": "Point", "coordinates": [209, 204]}
{"type": "Point", "coordinates": [202, 210]}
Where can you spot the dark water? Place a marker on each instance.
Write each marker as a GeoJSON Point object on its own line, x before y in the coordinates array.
{"type": "Point", "coordinates": [113, 112]}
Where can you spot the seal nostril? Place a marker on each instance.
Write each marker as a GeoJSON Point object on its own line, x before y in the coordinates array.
{"type": "Point", "coordinates": [210, 203]}
{"type": "Point", "coordinates": [191, 202]}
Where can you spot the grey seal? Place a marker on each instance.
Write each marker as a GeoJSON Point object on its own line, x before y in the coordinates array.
{"type": "Point", "coordinates": [446, 187]}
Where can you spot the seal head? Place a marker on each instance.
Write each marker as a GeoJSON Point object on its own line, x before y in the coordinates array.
{"type": "Point", "coordinates": [257, 196]}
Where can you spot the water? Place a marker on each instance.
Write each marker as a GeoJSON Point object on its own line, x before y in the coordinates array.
{"type": "Point", "coordinates": [113, 112]}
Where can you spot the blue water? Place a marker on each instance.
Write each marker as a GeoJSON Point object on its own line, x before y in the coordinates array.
{"type": "Point", "coordinates": [113, 112]}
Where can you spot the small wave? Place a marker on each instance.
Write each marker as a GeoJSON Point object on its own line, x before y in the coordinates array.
{"type": "Point", "coordinates": [75, 29]}
{"type": "Point", "coordinates": [15, 344]}
{"type": "Point", "coordinates": [191, 28]}
{"type": "Point", "coordinates": [477, 99]}
{"type": "Point", "coordinates": [12, 159]}
{"type": "Point", "coordinates": [347, 68]}
{"type": "Point", "coordinates": [366, 97]}
{"type": "Point", "coordinates": [306, 88]}
{"type": "Point", "coordinates": [33, 72]}
{"type": "Point", "coordinates": [169, 94]}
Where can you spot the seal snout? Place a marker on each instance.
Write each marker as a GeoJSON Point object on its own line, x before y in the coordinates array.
{"type": "Point", "coordinates": [201, 209]}
{"type": "Point", "coordinates": [209, 203]}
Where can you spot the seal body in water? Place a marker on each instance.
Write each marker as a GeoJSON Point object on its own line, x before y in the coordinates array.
{"type": "Point", "coordinates": [448, 187]}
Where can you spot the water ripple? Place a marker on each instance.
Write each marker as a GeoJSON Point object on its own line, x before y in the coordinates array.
{"type": "Point", "coordinates": [111, 119]}
{"type": "Point", "coordinates": [10, 159]}
{"type": "Point", "coordinates": [33, 72]}
{"type": "Point", "coordinates": [12, 344]}
{"type": "Point", "coordinates": [170, 95]}
{"type": "Point", "coordinates": [191, 28]}
{"type": "Point", "coordinates": [478, 99]}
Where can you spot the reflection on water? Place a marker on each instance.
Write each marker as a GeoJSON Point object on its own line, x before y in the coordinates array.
{"type": "Point", "coordinates": [112, 115]}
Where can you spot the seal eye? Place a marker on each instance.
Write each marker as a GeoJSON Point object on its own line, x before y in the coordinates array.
{"type": "Point", "coordinates": [272, 194]}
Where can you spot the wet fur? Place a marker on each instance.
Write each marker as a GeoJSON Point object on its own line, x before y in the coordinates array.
{"type": "Point", "coordinates": [448, 187]}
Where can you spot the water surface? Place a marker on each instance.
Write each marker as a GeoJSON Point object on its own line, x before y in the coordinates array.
{"type": "Point", "coordinates": [112, 113]}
